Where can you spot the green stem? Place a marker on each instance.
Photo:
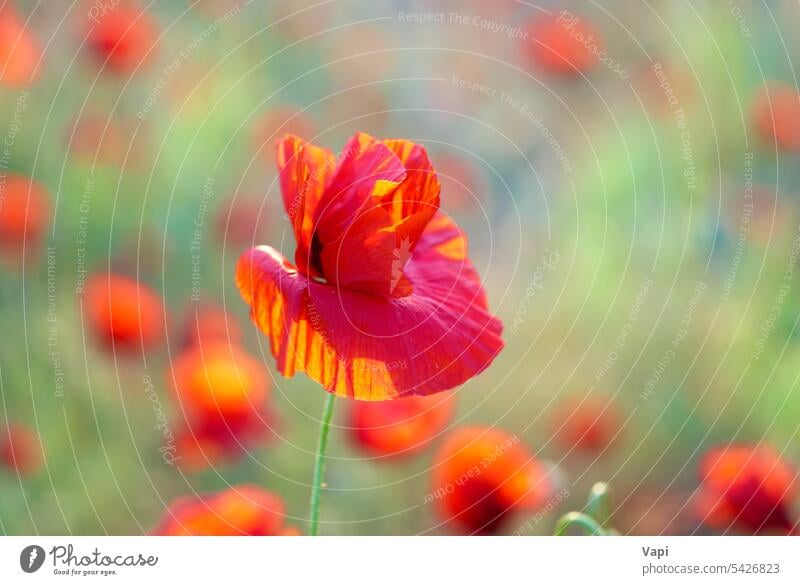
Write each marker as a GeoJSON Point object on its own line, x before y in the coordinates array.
{"type": "Point", "coordinates": [599, 506]}
{"type": "Point", "coordinates": [587, 523]}
{"type": "Point", "coordinates": [319, 464]}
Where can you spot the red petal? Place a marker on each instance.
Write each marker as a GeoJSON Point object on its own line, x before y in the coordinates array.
{"type": "Point", "coordinates": [368, 348]}
{"type": "Point", "coordinates": [304, 171]}
{"type": "Point", "coordinates": [366, 165]}
{"type": "Point", "coordinates": [370, 252]}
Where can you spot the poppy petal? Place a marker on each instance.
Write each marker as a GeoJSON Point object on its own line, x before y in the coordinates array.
{"type": "Point", "coordinates": [371, 348]}
{"type": "Point", "coordinates": [304, 172]}
{"type": "Point", "coordinates": [371, 252]}
{"type": "Point", "coordinates": [367, 168]}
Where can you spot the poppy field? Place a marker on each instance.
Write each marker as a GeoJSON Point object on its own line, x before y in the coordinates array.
{"type": "Point", "coordinates": [399, 268]}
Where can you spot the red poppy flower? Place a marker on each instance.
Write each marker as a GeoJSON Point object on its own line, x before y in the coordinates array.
{"type": "Point", "coordinates": [24, 213]}
{"type": "Point", "coordinates": [20, 449]}
{"type": "Point", "coordinates": [776, 115]}
{"type": "Point", "coordinates": [124, 313]}
{"type": "Point", "coordinates": [400, 427]}
{"type": "Point", "coordinates": [220, 385]}
{"type": "Point", "coordinates": [122, 36]}
{"type": "Point", "coordinates": [210, 323]}
{"type": "Point", "coordinates": [563, 44]}
{"type": "Point", "coordinates": [244, 510]}
{"type": "Point", "coordinates": [587, 425]}
{"type": "Point", "coordinates": [382, 301]}
{"type": "Point", "coordinates": [483, 475]}
{"type": "Point", "coordinates": [746, 486]}
{"type": "Point", "coordinates": [19, 51]}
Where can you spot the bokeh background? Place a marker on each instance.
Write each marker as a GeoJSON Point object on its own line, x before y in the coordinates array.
{"type": "Point", "coordinates": [632, 216]}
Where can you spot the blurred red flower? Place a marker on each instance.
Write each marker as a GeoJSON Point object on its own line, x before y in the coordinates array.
{"type": "Point", "coordinates": [400, 427]}
{"type": "Point", "coordinates": [243, 510]}
{"type": "Point", "coordinates": [585, 424]}
{"type": "Point", "coordinates": [776, 116]}
{"type": "Point", "coordinates": [20, 449]}
{"type": "Point", "coordinates": [209, 323]}
{"type": "Point", "coordinates": [220, 385]}
{"type": "Point", "coordinates": [124, 313]}
{"type": "Point", "coordinates": [482, 475]}
{"type": "Point", "coordinates": [562, 44]}
{"type": "Point", "coordinates": [24, 213]}
{"type": "Point", "coordinates": [383, 301]}
{"type": "Point", "coordinates": [206, 443]}
{"type": "Point", "coordinates": [122, 36]}
{"type": "Point", "coordinates": [746, 486]}
{"type": "Point", "coordinates": [19, 51]}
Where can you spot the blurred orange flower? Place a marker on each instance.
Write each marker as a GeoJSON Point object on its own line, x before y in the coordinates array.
{"type": "Point", "coordinates": [562, 44]}
{"type": "Point", "coordinates": [776, 116]}
{"type": "Point", "coordinates": [20, 449]}
{"type": "Point", "coordinates": [400, 427]}
{"type": "Point", "coordinates": [220, 385]}
{"type": "Point", "coordinates": [482, 475]}
{"type": "Point", "coordinates": [243, 510]}
{"type": "Point", "coordinates": [24, 213]}
{"type": "Point", "coordinates": [746, 486]}
{"type": "Point", "coordinates": [122, 36]}
{"type": "Point", "coordinates": [124, 313]}
{"type": "Point", "coordinates": [586, 424]}
{"type": "Point", "coordinates": [383, 301]}
{"type": "Point", "coordinates": [19, 51]}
